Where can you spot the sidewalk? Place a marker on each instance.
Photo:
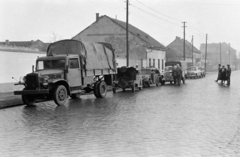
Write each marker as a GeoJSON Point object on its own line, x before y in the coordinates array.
{"type": "Point", "coordinates": [9, 99]}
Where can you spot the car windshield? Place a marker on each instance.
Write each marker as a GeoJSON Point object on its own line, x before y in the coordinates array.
{"type": "Point", "coordinates": [51, 64]}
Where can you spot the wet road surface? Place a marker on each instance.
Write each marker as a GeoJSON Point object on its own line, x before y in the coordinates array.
{"type": "Point", "coordinates": [199, 118]}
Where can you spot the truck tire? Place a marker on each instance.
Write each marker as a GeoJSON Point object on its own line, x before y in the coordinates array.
{"type": "Point", "coordinates": [133, 87]}
{"type": "Point", "coordinates": [95, 90]}
{"type": "Point", "coordinates": [29, 100]}
{"type": "Point", "coordinates": [157, 82]}
{"type": "Point", "coordinates": [114, 87]}
{"type": "Point", "coordinates": [100, 89]}
{"type": "Point", "coordinates": [75, 96]}
{"type": "Point", "coordinates": [60, 95]}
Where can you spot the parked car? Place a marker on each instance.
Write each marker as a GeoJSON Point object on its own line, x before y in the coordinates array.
{"type": "Point", "coordinates": [167, 74]}
{"type": "Point", "coordinates": [202, 71]}
{"type": "Point", "coordinates": [194, 72]}
{"type": "Point", "coordinates": [150, 76]}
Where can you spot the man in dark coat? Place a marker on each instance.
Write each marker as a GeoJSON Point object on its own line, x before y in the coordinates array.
{"type": "Point", "coordinates": [219, 72]}
{"type": "Point", "coordinates": [228, 74]}
{"type": "Point", "coordinates": [179, 74]}
{"type": "Point", "coordinates": [174, 74]}
{"type": "Point", "coordinates": [223, 76]}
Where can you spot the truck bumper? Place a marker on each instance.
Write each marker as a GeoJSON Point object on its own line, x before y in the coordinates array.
{"type": "Point", "coordinates": [32, 92]}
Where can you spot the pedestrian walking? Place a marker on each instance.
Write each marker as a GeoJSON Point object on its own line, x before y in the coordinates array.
{"type": "Point", "coordinates": [174, 74]}
{"type": "Point", "coordinates": [223, 76]}
{"type": "Point", "coordinates": [228, 74]}
{"type": "Point", "coordinates": [219, 72]}
{"type": "Point", "coordinates": [179, 74]}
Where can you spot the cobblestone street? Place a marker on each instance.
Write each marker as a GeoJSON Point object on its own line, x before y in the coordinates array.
{"type": "Point", "coordinates": [199, 118]}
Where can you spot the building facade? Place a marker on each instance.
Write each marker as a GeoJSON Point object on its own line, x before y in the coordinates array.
{"type": "Point", "coordinates": [144, 51]}
{"type": "Point", "coordinates": [174, 51]}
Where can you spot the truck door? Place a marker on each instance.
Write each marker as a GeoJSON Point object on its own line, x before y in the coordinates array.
{"type": "Point", "coordinates": [74, 72]}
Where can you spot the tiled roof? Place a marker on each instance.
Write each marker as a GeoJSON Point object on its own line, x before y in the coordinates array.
{"type": "Point", "coordinates": [140, 34]}
{"type": "Point", "coordinates": [188, 46]}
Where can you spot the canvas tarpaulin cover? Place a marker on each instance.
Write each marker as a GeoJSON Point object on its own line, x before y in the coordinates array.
{"type": "Point", "coordinates": [92, 55]}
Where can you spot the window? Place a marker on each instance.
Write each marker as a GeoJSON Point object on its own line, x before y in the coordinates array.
{"type": "Point", "coordinates": [51, 64]}
{"type": "Point", "coordinates": [154, 63]}
{"type": "Point", "coordinates": [73, 63]}
{"type": "Point", "coordinates": [149, 62]}
{"type": "Point", "coordinates": [158, 63]}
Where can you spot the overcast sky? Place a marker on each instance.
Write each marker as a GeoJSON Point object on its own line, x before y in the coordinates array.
{"type": "Point", "coordinates": [24, 20]}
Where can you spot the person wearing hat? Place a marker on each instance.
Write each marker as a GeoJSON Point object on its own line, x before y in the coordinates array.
{"type": "Point", "coordinates": [228, 74]}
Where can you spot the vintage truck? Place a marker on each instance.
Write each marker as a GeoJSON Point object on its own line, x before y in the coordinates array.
{"type": "Point", "coordinates": [70, 68]}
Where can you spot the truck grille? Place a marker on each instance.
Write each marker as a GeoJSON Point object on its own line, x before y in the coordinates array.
{"type": "Point", "coordinates": [32, 81]}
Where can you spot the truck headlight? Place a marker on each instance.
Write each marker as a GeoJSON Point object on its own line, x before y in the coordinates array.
{"type": "Point", "coordinates": [45, 78]}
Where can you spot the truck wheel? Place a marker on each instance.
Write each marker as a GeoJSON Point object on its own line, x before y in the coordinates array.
{"type": "Point", "coordinates": [95, 90]}
{"type": "Point", "coordinates": [157, 82]}
{"type": "Point", "coordinates": [140, 86]}
{"type": "Point", "coordinates": [28, 100]}
{"type": "Point", "coordinates": [133, 87]}
{"type": "Point", "coordinates": [100, 89]}
{"type": "Point", "coordinates": [60, 95]}
{"type": "Point", "coordinates": [148, 83]}
{"type": "Point", "coordinates": [114, 88]}
{"type": "Point", "coordinates": [75, 96]}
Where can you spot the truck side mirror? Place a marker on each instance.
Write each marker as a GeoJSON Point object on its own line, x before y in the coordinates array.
{"type": "Point", "coordinates": [32, 68]}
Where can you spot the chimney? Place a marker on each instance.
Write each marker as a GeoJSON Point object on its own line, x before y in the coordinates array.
{"type": "Point", "coordinates": [7, 42]}
{"type": "Point", "coordinates": [97, 17]}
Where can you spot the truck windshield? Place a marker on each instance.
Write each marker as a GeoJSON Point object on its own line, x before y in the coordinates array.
{"type": "Point", "coordinates": [51, 64]}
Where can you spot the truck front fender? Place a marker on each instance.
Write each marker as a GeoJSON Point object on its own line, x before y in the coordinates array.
{"type": "Point", "coordinates": [57, 82]}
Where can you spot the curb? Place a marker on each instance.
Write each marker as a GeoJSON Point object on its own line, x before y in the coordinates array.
{"type": "Point", "coordinates": [16, 101]}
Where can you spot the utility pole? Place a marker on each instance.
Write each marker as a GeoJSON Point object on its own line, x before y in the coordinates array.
{"type": "Point", "coordinates": [206, 54]}
{"type": "Point", "coordinates": [192, 50]}
{"type": "Point", "coordinates": [127, 57]}
{"type": "Point", "coordinates": [229, 52]}
{"type": "Point", "coordinates": [184, 57]}
{"type": "Point", "coordinates": [220, 53]}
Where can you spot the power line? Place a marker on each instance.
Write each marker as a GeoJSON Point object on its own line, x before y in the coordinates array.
{"type": "Point", "coordinates": [159, 12]}
{"type": "Point", "coordinates": [152, 14]}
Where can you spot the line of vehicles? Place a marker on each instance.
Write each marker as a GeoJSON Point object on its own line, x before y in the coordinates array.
{"type": "Point", "coordinates": [73, 68]}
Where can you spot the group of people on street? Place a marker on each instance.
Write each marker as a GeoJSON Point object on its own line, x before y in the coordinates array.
{"type": "Point", "coordinates": [177, 74]}
{"type": "Point", "coordinates": [224, 74]}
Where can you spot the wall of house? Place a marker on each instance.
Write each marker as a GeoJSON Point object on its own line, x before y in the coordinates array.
{"type": "Point", "coordinates": [16, 64]}
{"type": "Point", "coordinates": [155, 59]}
{"type": "Point", "coordinates": [104, 30]}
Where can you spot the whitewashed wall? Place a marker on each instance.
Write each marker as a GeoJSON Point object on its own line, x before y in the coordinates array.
{"type": "Point", "coordinates": [156, 54]}
{"type": "Point", "coordinates": [16, 64]}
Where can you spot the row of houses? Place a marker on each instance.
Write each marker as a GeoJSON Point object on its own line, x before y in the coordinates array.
{"type": "Point", "coordinates": [144, 50]}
